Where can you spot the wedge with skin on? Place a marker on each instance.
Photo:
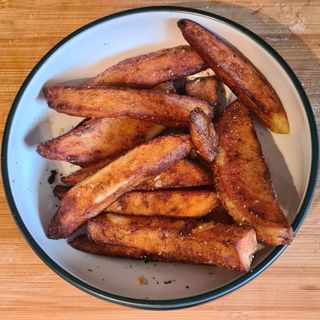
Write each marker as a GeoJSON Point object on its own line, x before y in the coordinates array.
{"type": "Point", "coordinates": [191, 241]}
{"type": "Point", "coordinates": [146, 71]}
{"type": "Point", "coordinates": [239, 74]}
{"type": "Point", "coordinates": [170, 203]}
{"type": "Point", "coordinates": [242, 178]}
{"type": "Point", "coordinates": [97, 139]}
{"type": "Point", "coordinates": [88, 198]}
{"type": "Point", "coordinates": [83, 243]}
{"type": "Point", "coordinates": [168, 109]}
{"type": "Point", "coordinates": [184, 173]}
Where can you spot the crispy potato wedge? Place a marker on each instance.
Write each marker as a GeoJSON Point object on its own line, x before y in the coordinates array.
{"type": "Point", "coordinates": [146, 71]}
{"type": "Point", "coordinates": [192, 241]}
{"type": "Point", "coordinates": [91, 196]}
{"type": "Point", "coordinates": [239, 74]}
{"type": "Point", "coordinates": [184, 173]}
{"type": "Point", "coordinates": [203, 135]}
{"type": "Point", "coordinates": [171, 203]}
{"type": "Point", "coordinates": [242, 178]}
{"type": "Point", "coordinates": [160, 107]}
{"type": "Point", "coordinates": [204, 89]}
{"type": "Point", "coordinates": [83, 243]}
{"type": "Point", "coordinates": [97, 139]}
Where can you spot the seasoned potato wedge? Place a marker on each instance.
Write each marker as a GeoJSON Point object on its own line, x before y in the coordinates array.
{"type": "Point", "coordinates": [97, 139]}
{"type": "Point", "coordinates": [146, 71]}
{"type": "Point", "coordinates": [203, 135]}
{"type": "Point", "coordinates": [193, 241]}
{"type": "Point", "coordinates": [168, 109]}
{"type": "Point", "coordinates": [239, 74]}
{"type": "Point", "coordinates": [242, 178]}
{"type": "Point", "coordinates": [89, 197]}
{"type": "Point", "coordinates": [184, 173]}
{"type": "Point", "coordinates": [171, 203]}
{"type": "Point", "coordinates": [83, 243]}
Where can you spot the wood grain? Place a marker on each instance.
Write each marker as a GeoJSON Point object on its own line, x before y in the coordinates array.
{"type": "Point", "coordinates": [289, 289]}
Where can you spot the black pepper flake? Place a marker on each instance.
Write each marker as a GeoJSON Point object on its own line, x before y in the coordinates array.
{"type": "Point", "coordinates": [187, 287]}
{"type": "Point", "coordinates": [52, 176]}
{"type": "Point", "coordinates": [157, 282]}
{"type": "Point", "coordinates": [169, 281]}
{"type": "Point", "coordinates": [130, 266]}
{"type": "Point", "coordinates": [102, 279]}
{"type": "Point", "coordinates": [90, 270]}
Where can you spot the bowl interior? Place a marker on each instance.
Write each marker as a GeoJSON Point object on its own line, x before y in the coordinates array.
{"type": "Point", "coordinates": [89, 53]}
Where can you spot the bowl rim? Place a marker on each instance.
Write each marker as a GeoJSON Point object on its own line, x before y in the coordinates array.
{"type": "Point", "coordinates": [196, 299]}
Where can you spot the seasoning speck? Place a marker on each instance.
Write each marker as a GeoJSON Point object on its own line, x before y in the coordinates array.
{"type": "Point", "coordinates": [90, 270]}
{"type": "Point", "coordinates": [143, 281]}
{"type": "Point", "coordinates": [187, 287]}
{"type": "Point", "coordinates": [52, 176]}
{"type": "Point", "coordinates": [168, 281]}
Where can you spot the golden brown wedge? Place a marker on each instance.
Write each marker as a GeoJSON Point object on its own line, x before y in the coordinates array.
{"type": "Point", "coordinates": [204, 89]}
{"type": "Point", "coordinates": [83, 243]}
{"type": "Point", "coordinates": [170, 203]}
{"type": "Point", "coordinates": [183, 174]}
{"type": "Point", "coordinates": [239, 74]}
{"type": "Point", "coordinates": [203, 135]}
{"type": "Point", "coordinates": [97, 139]}
{"type": "Point", "coordinates": [242, 178]}
{"type": "Point", "coordinates": [168, 109]}
{"type": "Point", "coordinates": [89, 197]}
{"type": "Point", "coordinates": [192, 241]}
{"type": "Point", "coordinates": [146, 71]}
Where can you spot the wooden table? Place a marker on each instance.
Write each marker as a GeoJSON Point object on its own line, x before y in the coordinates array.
{"type": "Point", "coordinates": [289, 289]}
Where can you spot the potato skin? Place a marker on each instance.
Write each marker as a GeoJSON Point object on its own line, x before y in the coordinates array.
{"type": "Point", "coordinates": [242, 178]}
{"type": "Point", "coordinates": [91, 196]}
{"type": "Point", "coordinates": [239, 74]}
{"type": "Point", "coordinates": [147, 71]}
{"type": "Point", "coordinates": [168, 109]}
{"type": "Point", "coordinates": [192, 241]}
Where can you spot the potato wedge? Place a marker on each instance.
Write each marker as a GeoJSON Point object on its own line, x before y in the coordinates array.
{"type": "Point", "coordinates": [242, 178]}
{"type": "Point", "coordinates": [170, 203]}
{"type": "Point", "coordinates": [91, 196]}
{"type": "Point", "coordinates": [239, 74]}
{"type": "Point", "coordinates": [184, 173]}
{"type": "Point", "coordinates": [160, 107]}
{"type": "Point", "coordinates": [192, 241]}
{"type": "Point", "coordinates": [203, 135]}
{"type": "Point", "coordinates": [97, 139]}
{"type": "Point", "coordinates": [146, 71]}
{"type": "Point", "coordinates": [83, 243]}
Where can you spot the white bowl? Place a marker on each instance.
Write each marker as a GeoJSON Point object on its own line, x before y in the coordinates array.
{"type": "Point", "coordinates": [292, 158]}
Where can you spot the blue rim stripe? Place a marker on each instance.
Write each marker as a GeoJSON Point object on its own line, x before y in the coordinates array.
{"type": "Point", "coordinates": [173, 303]}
